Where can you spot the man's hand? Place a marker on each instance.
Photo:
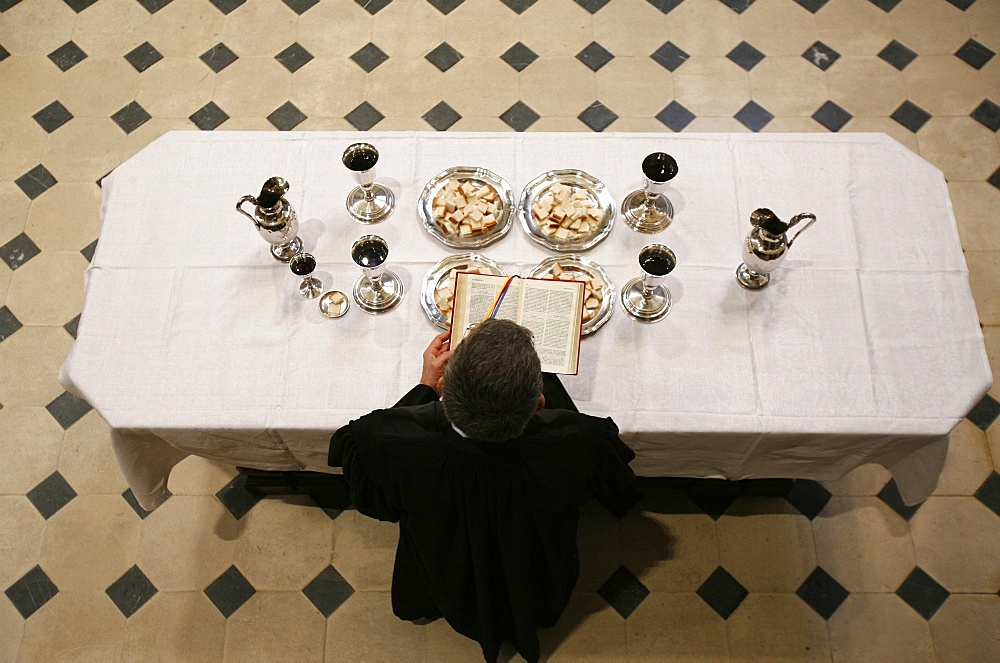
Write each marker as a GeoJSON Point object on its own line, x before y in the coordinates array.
{"type": "Point", "coordinates": [435, 357]}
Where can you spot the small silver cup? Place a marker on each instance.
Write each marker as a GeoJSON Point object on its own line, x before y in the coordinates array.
{"type": "Point", "coordinates": [645, 298]}
{"type": "Point", "coordinates": [369, 202]}
{"type": "Point", "coordinates": [648, 210]}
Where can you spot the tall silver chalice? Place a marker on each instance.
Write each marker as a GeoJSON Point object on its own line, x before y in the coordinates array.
{"type": "Point", "coordinates": [645, 298]}
{"type": "Point", "coordinates": [274, 218]}
{"type": "Point", "coordinates": [648, 210]}
{"type": "Point", "coordinates": [369, 202]}
{"type": "Point", "coordinates": [766, 246]}
{"type": "Point", "coordinates": [377, 290]}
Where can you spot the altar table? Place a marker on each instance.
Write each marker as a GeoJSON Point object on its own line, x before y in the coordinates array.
{"type": "Point", "coordinates": [865, 348]}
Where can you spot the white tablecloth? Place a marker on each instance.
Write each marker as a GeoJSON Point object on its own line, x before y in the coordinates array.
{"type": "Point", "coordinates": [865, 348]}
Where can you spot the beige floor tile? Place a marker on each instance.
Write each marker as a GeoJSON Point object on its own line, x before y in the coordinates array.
{"type": "Point", "coordinates": [98, 86]}
{"type": "Point", "coordinates": [879, 627]}
{"type": "Point", "coordinates": [175, 626]}
{"type": "Point", "coordinates": [956, 540]}
{"type": "Point", "coordinates": [620, 35]}
{"type": "Point", "coordinates": [770, 27]}
{"type": "Point", "coordinates": [30, 83]}
{"type": "Point", "coordinates": [335, 29]}
{"type": "Point", "coordinates": [276, 626]}
{"type": "Point", "coordinates": [858, 28]}
{"type": "Point", "coordinates": [480, 29]}
{"type": "Point", "coordinates": [442, 644]}
{"type": "Point", "coordinates": [33, 284]}
{"type": "Point", "coordinates": [943, 85]}
{"type": "Point", "coordinates": [974, 203]}
{"type": "Point", "coordinates": [710, 124]}
{"type": "Point", "coordinates": [12, 627]}
{"type": "Point", "coordinates": [408, 29]}
{"type": "Point", "coordinates": [74, 626]}
{"type": "Point", "coordinates": [21, 528]}
{"type": "Point", "coordinates": [325, 124]}
{"type": "Point", "coordinates": [5, 275]}
{"type": "Point", "coordinates": [927, 27]}
{"type": "Point", "coordinates": [634, 86]}
{"type": "Point", "coordinates": [589, 630]}
{"type": "Point", "coordinates": [191, 27]}
{"type": "Point", "coordinates": [112, 28]}
{"type": "Point", "coordinates": [865, 123]}
{"type": "Point", "coordinates": [965, 628]}
{"type": "Point", "coordinates": [176, 86]}
{"type": "Point", "coordinates": [777, 627]}
{"type": "Point", "coordinates": [561, 124]}
{"type": "Point", "coordinates": [313, 94]}
{"type": "Point", "coordinates": [711, 86]}
{"type": "Point", "coordinates": [187, 543]}
{"type": "Point", "coordinates": [200, 476]}
{"type": "Point", "coordinates": [29, 445]}
{"type": "Point", "coordinates": [90, 543]}
{"type": "Point", "coordinates": [599, 542]}
{"type": "Point", "coordinates": [797, 125]}
{"type": "Point", "coordinates": [87, 462]}
{"type": "Point", "coordinates": [473, 123]}
{"type": "Point", "coordinates": [575, 29]}
{"type": "Point", "coordinates": [364, 629]}
{"type": "Point", "coordinates": [672, 552]}
{"type": "Point", "coordinates": [481, 86]}
{"type": "Point", "coordinates": [66, 218]}
{"type": "Point", "coordinates": [395, 74]}
{"type": "Point", "coordinates": [558, 86]}
{"type": "Point", "coordinates": [260, 29]}
{"type": "Point", "coordinates": [675, 627]}
{"type": "Point", "coordinates": [364, 550]}
{"type": "Point", "coordinates": [968, 463]}
{"type": "Point", "coordinates": [983, 19]}
{"type": "Point", "coordinates": [29, 361]}
{"type": "Point", "coordinates": [15, 217]}
{"type": "Point", "coordinates": [403, 123]}
{"type": "Point", "coordinates": [22, 146]}
{"type": "Point", "coordinates": [788, 86]}
{"type": "Point", "coordinates": [43, 26]}
{"type": "Point", "coordinates": [252, 87]}
{"type": "Point", "coordinates": [710, 29]}
{"type": "Point", "coordinates": [640, 124]}
{"type": "Point", "coordinates": [84, 150]}
{"type": "Point", "coordinates": [863, 544]}
{"type": "Point", "coordinates": [150, 131]}
{"type": "Point", "coordinates": [984, 276]}
{"type": "Point", "coordinates": [866, 85]}
{"type": "Point", "coordinates": [960, 147]}
{"type": "Point", "coordinates": [991, 335]}
{"type": "Point", "coordinates": [766, 545]}
{"type": "Point", "coordinates": [863, 481]}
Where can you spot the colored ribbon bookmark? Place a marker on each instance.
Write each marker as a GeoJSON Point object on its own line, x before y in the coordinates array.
{"type": "Point", "coordinates": [492, 312]}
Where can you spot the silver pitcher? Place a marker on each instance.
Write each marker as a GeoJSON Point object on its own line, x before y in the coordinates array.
{"type": "Point", "coordinates": [275, 219]}
{"type": "Point", "coordinates": [765, 248]}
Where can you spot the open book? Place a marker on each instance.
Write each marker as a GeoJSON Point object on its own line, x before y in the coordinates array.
{"type": "Point", "coordinates": [552, 310]}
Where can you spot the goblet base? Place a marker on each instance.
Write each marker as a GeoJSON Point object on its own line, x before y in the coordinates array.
{"type": "Point", "coordinates": [653, 308]}
{"type": "Point", "coordinates": [646, 215]}
{"type": "Point", "coordinates": [378, 300]}
{"type": "Point", "coordinates": [311, 287]}
{"type": "Point", "coordinates": [750, 279]}
{"type": "Point", "coordinates": [372, 209]}
{"type": "Point", "coordinates": [286, 252]}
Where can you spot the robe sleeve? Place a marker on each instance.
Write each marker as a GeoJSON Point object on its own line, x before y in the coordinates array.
{"type": "Point", "coordinates": [612, 474]}
{"type": "Point", "coordinates": [357, 449]}
{"type": "Point", "coordinates": [419, 395]}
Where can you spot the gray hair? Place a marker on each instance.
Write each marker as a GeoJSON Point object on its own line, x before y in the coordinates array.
{"type": "Point", "coordinates": [493, 381]}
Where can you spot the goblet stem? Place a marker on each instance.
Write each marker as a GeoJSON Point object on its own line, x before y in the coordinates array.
{"type": "Point", "coordinates": [367, 190]}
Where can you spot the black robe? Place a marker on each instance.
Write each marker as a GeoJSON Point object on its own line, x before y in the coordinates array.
{"type": "Point", "coordinates": [487, 535]}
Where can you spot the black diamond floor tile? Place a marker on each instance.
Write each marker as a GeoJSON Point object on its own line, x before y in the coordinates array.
{"type": "Point", "coordinates": [52, 117]}
{"type": "Point", "coordinates": [445, 6]}
{"type": "Point", "coordinates": [229, 591]}
{"type": "Point", "coordinates": [885, 5]}
{"type": "Point", "coordinates": [989, 493]}
{"type": "Point", "coordinates": [52, 494]}
{"type": "Point", "coordinates": [373, 6]}
{"type": "Point", "coordinates": [623, 592]}
{"type": "Point", "coordinates": [286, 117]}
{"type": "Point", "coordinates": [987, 114]}
{"type": "Point", "coordinates": [962, 4]}
{"type": "Point", "coordinates": [442, 116]}
{"type": "Point", "coordinates": [209, 117]}
{"type": "Point", "coordinates": [812, 6]}
{"type": "Point", "coordinates": [987, 410]}
{"type": "Point", "coordinates": [619, 505]}
{"type": "Point", "coordinates": [131, 117]}
{"type": "Point", "coordinates": [898, 55]}
{"type": "Point", "coordinates": [592, 6]}
{"type": "Point", "coordinates": [890, 495]}
{"type": "Point", "coordinates": [7, 4]}
{"type": "Point", "coordinates": [130, 499]}
{"type": "Point", "coordinates": [738, 6]}
{"type": "Point", "coordinates": [153, 6]}
{"type": "Point", "coordinates": [670, 56]}
{"type": "Point", "coordinates": [714, 497]}
{"type": "Point", "coordinates": [821, 55]}
{"type": "Point", "coordinates": [922, 593]}
{"type": "Point", "coordinates": [519, 116]}
{"type": "Point", "coordinates": [974, 54]}
{"type": "Point", "coordinates": [131, 591]}
{"type": "Point", "coordinates": [4, 54]}
{"type": "Point", "coordinates": [832, 116]}
{"type": "Point", "coordinates": [745, 55]}
{"type": "Point", "coordinates": [444, 56]}
{"type": "Point", "coordinates": [300, 7]}
{"type": "Point", "coordinates": [236, 498]}
{"type": "Point", "coordinates": [597, 116]}
{"type": "Point", "coordinates": [328, 591]}
{"type": "Point", "coordinates": [88, 251]}
{"type": "Point", "coordinates": [911, 116]}
{"type": "Point", "coordinates": [665, 6]}
{"type": "Point", "coordinates": [71, 327]}
{"type": "Point", "coordinates": [36, 181]}
{"type": "Point", "coordinates": [753, 116]}
{"type": "Point", "coordinates": [67, 409]}
{"type": "Point", "coordinates": [595, 56]}
{"type": "Point", "coordinates": [519, 56]}
{"type": "Point", "coordinates": [143, 56]}
{"type": "Point", "coordinates": [369, 56]}
{"type": "Point", "coordinates": [18, 251]}
{"type": "Point", "coordinates": [994, 179]}
{"type": "Point", "coordinates": [8, 323]}
{"type": "Point", "coordinates": [332, 504]}
{"type": "Point", "coordinates": [364, 117]}
{"type": "Point", "coordinates": [722, 592]}
{"type": "Point", "coordinates": [67, 55]}
{"type": "Point", "coordinates": [294, 57]}
{"type": "Point", "coordinates": [822, 593]}
{"type": "Point", "coordinates": [227, 6]}
{"type": "Point", "coordinates": [79, 5]}
{"type": "Point", "coordinates": [31, 592]}
{"type": "Point", "coordinates": [675, 116]}
{"type": "Point", "coordinates": [219, 57]}
{"type": "Point", "coordinates": [519, 6]}
{"type": "Point", "coordinates": [808, 497]}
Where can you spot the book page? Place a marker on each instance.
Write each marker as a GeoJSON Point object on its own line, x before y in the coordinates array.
{"type": "Point", "coordinates": [474, 297]}
{"type": "Point", "coordinates": [552, 311]}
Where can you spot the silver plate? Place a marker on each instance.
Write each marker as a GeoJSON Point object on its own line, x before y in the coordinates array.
{"type": "Point", "coordinates": [480, 177]}
{"type": "Point", "coordinates": [598, 194]}
{"type": "Point", "coordinates": [580, 265]}
{"type": "Point", "coordinates": [439, 273]}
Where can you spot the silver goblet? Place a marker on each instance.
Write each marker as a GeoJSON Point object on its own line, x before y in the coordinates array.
{"type": "Point", "coordinates": [304, 264]}
{"type": "Point", "coordinates": [648, 210]}
{"type": "Point", "coordinates": [645, 298]}
{"type": "Point", "coordinates": [368, 202]}
{"type": "Point", "coordinates": [377, 290]}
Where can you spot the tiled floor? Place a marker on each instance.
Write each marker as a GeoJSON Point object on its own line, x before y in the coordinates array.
{"type": "Point", "coordinates": [841, 571]}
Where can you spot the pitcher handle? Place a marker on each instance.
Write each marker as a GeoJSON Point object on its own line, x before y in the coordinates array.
{"type": "Point", "coordinates": [239, 207]}
{"type": "Point", "coordinates": [795, 219]}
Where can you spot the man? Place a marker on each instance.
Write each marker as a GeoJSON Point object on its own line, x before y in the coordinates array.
{"type": "Point", "coordinates": [486, 486]}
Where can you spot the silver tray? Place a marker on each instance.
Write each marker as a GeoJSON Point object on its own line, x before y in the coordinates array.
{"type": "Point", "coordinates": [597, 193]}
{"type": "Point", "coordinates": [439, 272]}
{"type": "Point", "coordinates": [580, 265]}
{"type": "Point", "coordinates": [479, 176]}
